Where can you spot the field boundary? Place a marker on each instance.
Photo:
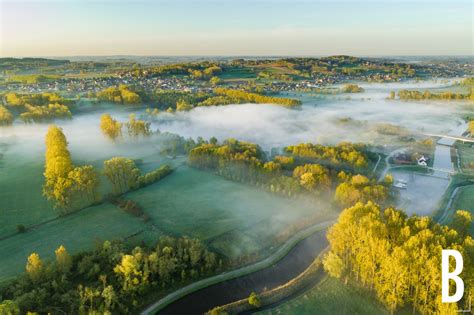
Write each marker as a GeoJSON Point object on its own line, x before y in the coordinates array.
{"type": "Point", "coordinates": [265, 263]}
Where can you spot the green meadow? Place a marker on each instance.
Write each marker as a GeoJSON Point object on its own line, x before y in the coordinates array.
{"type": "Point", "coordinates": [232, 218]}
{"type": "Point", "coordinates": [330, 296]}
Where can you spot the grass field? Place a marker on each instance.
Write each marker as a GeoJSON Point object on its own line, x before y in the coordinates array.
{"type": "Point", "coordinates": [79, 231]}
{"type": "Point", "coordinates": [330, 296]}
{"type": "Point", "coordinates": [21, 200]}
{"type": "Point", "coordinates": [232, 218]}
{"type": "Point", "coordinates": [466, 154]}
{"type": "Point", "coordinates": [464, 200]}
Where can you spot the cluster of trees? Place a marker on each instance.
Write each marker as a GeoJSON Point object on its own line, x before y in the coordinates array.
{"type": "Point", "coordinates": [124, 175]}
{"type": "Point", "coordinates": [351, 88]}
{"type": "Point", "coordinates": [169, 99]}
{"type": "Point", "coordinates": [313, 177]}
{"type": "Point", "coordinates": [40, 99]}
{"type": "Point", "coordinates": [109, 280]}
{"type": "Point", "coordinates": [268, 75]}
{"type": "Point", "coordinates": [38, 107]}
{"type": "Point", "coordinates": [359, 188]}
{"type": "Point", "coordinates": [470, 127]}
{"type": "Point", "coordinates": [427, 95]}
{"type": "Point", "coordinates": [122, 94]}
{"type": "Point", "coordinates": [34, 78]}
{"type": "Point", "coordinates": [112, 128]}
{"type": "Point", "coordinates": [244, 96]}
{"type": "Point", "coordinates": [246, 162]}
{"type": "Point", "coordinates": [6, 118]}
{"type": "Point", "coordinates": [45, 113]}
{"type": "Point", "coordinates": [173, 144]}
{"type": "Point", "coordinates": [137, 127]}
{"type": "Point", "coordinates": [399, 257]}
{"type": "Point", "coordinates": [178, 100]}
{"type": "Point", "coordinates": [66, 185]}
{"type": "Point", "coordinates": [344, 152]}
{"type": "Point", "coordinates": [206, 74]}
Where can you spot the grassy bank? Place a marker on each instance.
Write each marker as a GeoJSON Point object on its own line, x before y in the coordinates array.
{"type": "Point", "coordinates": [330, 296]}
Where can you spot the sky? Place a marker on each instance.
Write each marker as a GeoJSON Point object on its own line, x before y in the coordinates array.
{"type": "Point", "coordinates": [235, 28]}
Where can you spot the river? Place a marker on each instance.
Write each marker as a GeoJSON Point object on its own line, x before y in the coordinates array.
{"type": "Point", "coordinates": [294, 263]}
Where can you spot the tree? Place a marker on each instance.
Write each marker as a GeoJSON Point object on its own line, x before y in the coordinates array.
{"type": "Point", "coordinates": [254, 300]}
{"type": "Point", "coordinates": [85, 183]}
{"type": "Point", "coordinates": [65, 184]}
{"type": "Point", "coordinates": [9, 307]}
{"type": "Point", "coordinates": [6, 118]}
{"type": "Point", "coordinates": [110, 127]}
{"type": "Point", "coordinates": [63, 260]}
{"type": "Point", "coordinates": [34, 267]}
{"type": "Point", "coordinates": [182, 105]}
{"type": "Point", "coordinates": [333, 264]}
{"type": "Point", "coordinates": [137, 127]}
{"type": "Point", "coordinates": [462, 221]}
{"type": "Point", "coordinates": [122, 173]}
{"type": "Point", "coordinates": [215, 81]}
{"type": "Point", "coordinates": [130, 271]}
{"type": "Point", "coordinates": [58, 164]}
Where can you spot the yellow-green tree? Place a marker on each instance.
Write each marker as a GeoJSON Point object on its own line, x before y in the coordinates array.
{"type": "Point", "coordinates": [182, 105]}
{"type": "Point", "coordinates": [122, 173]}
{"type": "Point", "coordinates": [6, 118]}
{"type": "Point", "coordinates": [397, 257]}
{"type": "Point", "coordinates": [63, 260]}
{"type": "Point", "coordinates": [9, 307]}
{"type": "Point", "coordinates": [137, 127]}
{"type": "Point", "coordinates": [65, 184]}
{"type": "Point", "coordinates": [130, 272]}
{"type": "Point", "coordinates": [58, 164]}
{"type": "Point", "coordinates": [34, 267]}
{"type": "Point", "coordinates": [110, 127]}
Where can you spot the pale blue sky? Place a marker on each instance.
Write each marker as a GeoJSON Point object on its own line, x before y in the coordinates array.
{"type": "Point", "coordinates": [228, 27]}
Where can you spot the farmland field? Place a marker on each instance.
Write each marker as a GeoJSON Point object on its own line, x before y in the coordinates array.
{"type": "Point", "coordinates": [79, 231]}
{"type": "Point", "coordinates": [233, 218]}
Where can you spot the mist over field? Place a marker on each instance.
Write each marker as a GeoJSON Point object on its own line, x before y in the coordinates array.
{"type": "Point", "coordinates": [316, 121]}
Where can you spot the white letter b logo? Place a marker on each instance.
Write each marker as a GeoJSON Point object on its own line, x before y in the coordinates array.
{"type": "Point", "coordinates": [446, 275]}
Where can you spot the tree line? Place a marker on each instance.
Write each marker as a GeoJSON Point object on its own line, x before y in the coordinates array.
{"type": "Point", "coordinates": [244, 96]}
{"type": "Point", "coordinates": [39, 107]}
{"type": "Point", "coordinates": [427, 95]}
{"type": "Point", "coordinates": [344, 152]}
{"type": "Point", "coordinates": [123, 94]}
{"type": "Point", "coordinates": [287, 175]}
{"type": "Point", "coordinates": [112, 279]}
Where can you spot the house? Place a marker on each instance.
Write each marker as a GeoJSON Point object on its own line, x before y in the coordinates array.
{"type": "Point", "coordinates": [422, 161]}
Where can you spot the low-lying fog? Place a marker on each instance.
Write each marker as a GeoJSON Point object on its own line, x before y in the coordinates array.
{"type": "Point", "coordinates": [318, 120]}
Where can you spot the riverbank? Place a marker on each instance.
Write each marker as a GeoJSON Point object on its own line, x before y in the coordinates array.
{"type": "Point", "coordinates": [271, 298]}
